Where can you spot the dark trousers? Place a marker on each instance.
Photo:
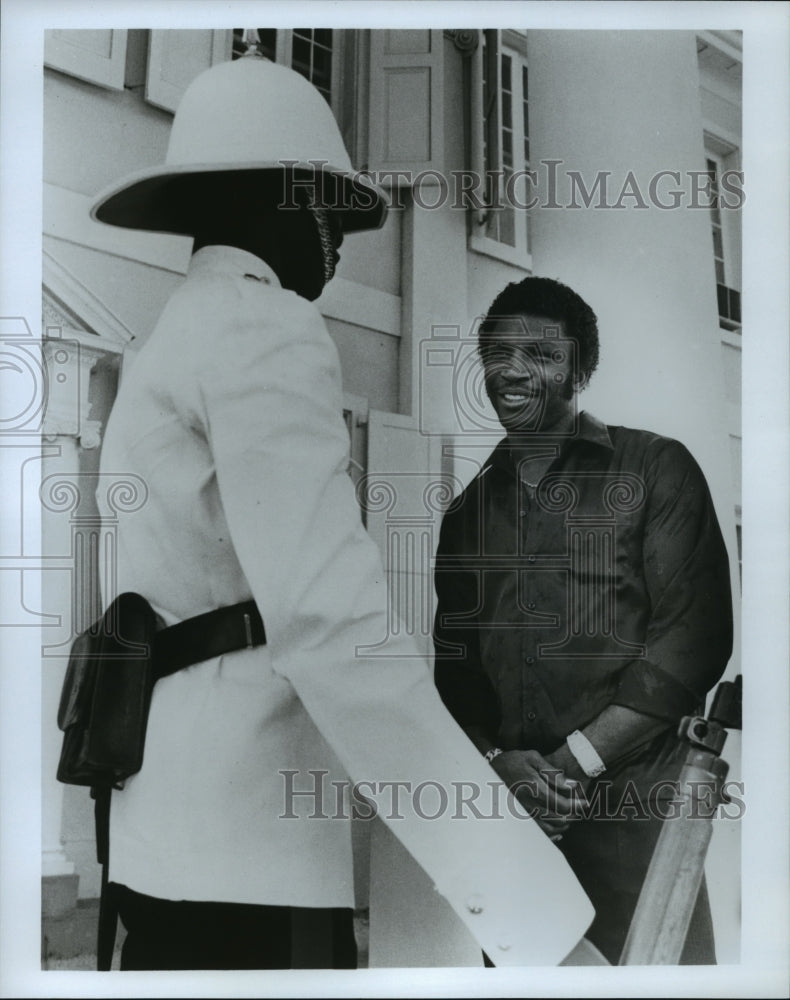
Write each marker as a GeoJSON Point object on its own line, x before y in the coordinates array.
{"type": "Point", "coordinates": [610, 858]}
{"type": "Point", "coordinates": [175, 934]}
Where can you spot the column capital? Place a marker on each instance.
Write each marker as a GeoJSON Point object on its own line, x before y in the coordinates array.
{"type": "Point", "coordinates": [466, 40]}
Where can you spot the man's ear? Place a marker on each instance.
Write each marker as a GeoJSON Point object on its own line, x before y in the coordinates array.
{"type": "Point", "coordinates": [580, 380]}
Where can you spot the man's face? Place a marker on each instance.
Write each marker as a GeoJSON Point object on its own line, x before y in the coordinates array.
{"type": "Point", "coordinates": [301, 261]}
{"type": "Point", "coordinates": [529, 373]}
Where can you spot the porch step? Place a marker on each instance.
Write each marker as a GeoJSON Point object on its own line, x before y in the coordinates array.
{"type": "Point", "coordinates": [69, 941]}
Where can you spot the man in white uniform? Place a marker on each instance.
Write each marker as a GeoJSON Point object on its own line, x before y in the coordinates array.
{"type": "Point", "coordinates": [232, 416]}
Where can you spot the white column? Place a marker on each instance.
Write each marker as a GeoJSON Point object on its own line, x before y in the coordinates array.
{"type": "Point", "coordinates": [626, 104]}
{"type": "Point", "coordinates": [434, 295]}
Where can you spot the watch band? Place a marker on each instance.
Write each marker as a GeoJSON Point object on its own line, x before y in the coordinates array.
{"type": "Point", "coordinates": [492, 753]}
{"type": "Point", "coordinates": [585, 753]}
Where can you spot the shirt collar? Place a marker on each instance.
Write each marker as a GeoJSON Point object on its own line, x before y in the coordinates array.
{"type": "Point", "coordinates": [233, 261]}
{"type": "Point", "coordinates": [594, 430]}
{"type": "Point", "coordinates": [590, 430]}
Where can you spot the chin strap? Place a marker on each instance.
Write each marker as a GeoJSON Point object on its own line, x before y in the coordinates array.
{"type": "Point", "coordinates": [328, 250]}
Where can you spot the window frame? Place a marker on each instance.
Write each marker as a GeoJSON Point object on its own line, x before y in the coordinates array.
{"type": "Point", "coordinates": [726, 155]}
{"type": "Point", "coordinates": [283, 56]}
{"type": "Point", "coordinates": [514, 45]}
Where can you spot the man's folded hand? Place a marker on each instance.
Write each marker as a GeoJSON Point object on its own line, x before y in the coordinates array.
{"type": "Point", "coordinates": [553, 799]}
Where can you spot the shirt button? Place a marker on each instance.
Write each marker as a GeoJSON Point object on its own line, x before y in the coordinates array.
{"type": "Point", "coordinates": [531, 716]}
{"type": "Point", "coordinates": [530, 559]}
{"type": "Point", "coordinates": [530, 659]}
{"type": "Point", "coordinates": [522, 513]}
{"type": "Point", "coordinates": [474, 903]}
{"type": "Point", "coordinates": [531, 605]}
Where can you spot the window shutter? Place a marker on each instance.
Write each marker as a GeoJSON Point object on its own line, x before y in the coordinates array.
{"type": "Point", "coordinates": [486, 115]}
{"type": "Point", "coordinates": [176, 57]}
{"type": "Point", "coordinates": [96, 56]}
{"type": "Point", "coordinates": [405, 120]}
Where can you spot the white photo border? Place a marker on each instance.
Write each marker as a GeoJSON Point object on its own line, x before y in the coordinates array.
{"type": "Point", "coordinates": [763, 970]}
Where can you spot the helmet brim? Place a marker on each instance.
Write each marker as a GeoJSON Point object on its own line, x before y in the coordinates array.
{"type": "Point", "coordinates": [148, 200]}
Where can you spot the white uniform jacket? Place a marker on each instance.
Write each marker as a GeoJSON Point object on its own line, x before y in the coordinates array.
{"type": "Point", "coordinates": [232, 418]}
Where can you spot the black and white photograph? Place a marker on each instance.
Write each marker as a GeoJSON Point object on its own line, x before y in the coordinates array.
{"type": "Point", "coordinates": [394, 451]}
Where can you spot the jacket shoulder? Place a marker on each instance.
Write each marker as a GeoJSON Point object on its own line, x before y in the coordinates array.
{"type": "Point", "coordinates": [227, 318]}
{"type": "Point", "coordinates": [225, 298]}
{"type": "Point", "coordinates": [650, 444]}
{"type": "Point", "coordinates": [666, 464]}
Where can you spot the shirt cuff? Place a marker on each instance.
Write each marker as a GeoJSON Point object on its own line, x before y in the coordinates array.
{"type": "Point", "coordinates": [648, 689]}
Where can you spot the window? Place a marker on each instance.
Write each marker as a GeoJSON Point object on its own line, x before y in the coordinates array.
{"type": "Point", "coordinates": [313, 52]}
{"type": "Point", "coordinates": [312, 57]}
{"type": "Point", "coordinates": [729, 298]}
{"type": "Point", "coordinates": [721, 157]}
{"type": "Point", "coordinates": [500, 109]}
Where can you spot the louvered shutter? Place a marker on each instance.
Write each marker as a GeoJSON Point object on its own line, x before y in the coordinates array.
{"type": "Point", "coordinates": [96, 56]}
{"type": "Point", "coordinates": [176, 57]}
{"type": "Point", "coordinates": [405, 120]}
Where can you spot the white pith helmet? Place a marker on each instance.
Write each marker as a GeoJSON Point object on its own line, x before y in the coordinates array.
{"type": "Point", "coordinates": [249, 114]}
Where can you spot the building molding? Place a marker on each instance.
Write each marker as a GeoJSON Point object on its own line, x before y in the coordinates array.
{"type": "Point", "coordinates": [720, 139]}
{"type": "Point", "coordinates": [720, 66]}
{"type": "Point", "coordinates": [67, 218]}
{"type": "Point", "coordinates": [515, 40]}
{"type": "Point", "coordinates": [720, 89]}
{"type": "Point", "coordinates": [502, 252]}
{"type": "Point", "coordinates": [729, 43]}
{"type": "Point", "coordinates": [63, 290]}
{"type": "Point", "coordinates": [731, 339]}
{"type": "Point", "coordinates": [360, 305]}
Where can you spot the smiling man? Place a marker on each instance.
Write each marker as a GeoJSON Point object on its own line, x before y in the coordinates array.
{"type": "Point", "coordinates": [583, 606]}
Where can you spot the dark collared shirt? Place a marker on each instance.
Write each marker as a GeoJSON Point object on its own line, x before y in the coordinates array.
{"type": "Point", "coordinates": [606, 584]}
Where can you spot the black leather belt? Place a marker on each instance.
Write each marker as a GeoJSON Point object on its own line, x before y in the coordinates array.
{"type": "Point", "coordinates": [238, 626]}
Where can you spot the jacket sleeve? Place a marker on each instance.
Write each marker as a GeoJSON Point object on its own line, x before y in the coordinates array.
{"type": "Point", "coordinates": [271, 406]}
{"type": "Point", "coordinates": [686, 569]}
